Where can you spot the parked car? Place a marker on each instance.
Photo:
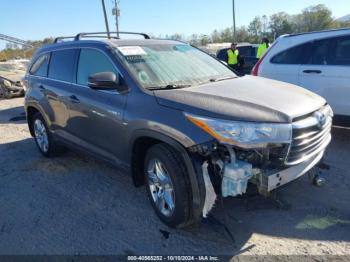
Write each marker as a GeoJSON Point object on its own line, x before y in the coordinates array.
{"type": "Point", "coordinates": [317, 61]}
{"type": "Point", "coordinates": [248, 57]}
{"type": "Point", "coordinates": [11, 75]}
{"type": "Point", "coordinates": [180, 121]}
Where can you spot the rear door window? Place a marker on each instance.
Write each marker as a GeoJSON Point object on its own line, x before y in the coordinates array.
{"type": "Point", "coordinates": [320, 52]}
{"type": "Point", "coordinates": [293, 56]}
{"type": "Point", "coordinates": [92, 61]}
{"type": "Point", "coordinates": [62, 65]}
{"type": "Point", "coordinates": [341, 52]}
{"type": "Point", "coordinates": [39, 67]}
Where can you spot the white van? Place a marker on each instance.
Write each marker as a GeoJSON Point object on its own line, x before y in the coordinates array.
{"type": "Point", "coordinates": [318, 61]}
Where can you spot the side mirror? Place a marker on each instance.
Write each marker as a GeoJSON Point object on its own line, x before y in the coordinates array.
{"type": "Point", "coordinates": [106, 81]}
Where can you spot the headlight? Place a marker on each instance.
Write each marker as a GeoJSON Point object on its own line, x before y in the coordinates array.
{"type": "Point", "coordinates": [244, 134]}
{"type": "Point", "coordinates": [7, 83]}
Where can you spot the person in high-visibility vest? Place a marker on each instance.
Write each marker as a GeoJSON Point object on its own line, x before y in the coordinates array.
{"type": "Point", "coordinates": [263, 48]}
{"type": "Point", "coordinates": [232, 56]}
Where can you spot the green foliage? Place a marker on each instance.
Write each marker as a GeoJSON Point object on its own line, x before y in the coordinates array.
{"type": "Point", "coordinates": [313, 18]}
{"type": "Point", "coordinates": [13, 51]}
{"type": "Point", "coordinates": [280, 24]}
{"type": "Point", "coordinates": [255, 29]}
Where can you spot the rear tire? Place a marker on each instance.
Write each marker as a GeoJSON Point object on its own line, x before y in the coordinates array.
{"type": "Point", "coordinates": [168, 185]}
{"type": "Point", "coordinates": [43, 138]}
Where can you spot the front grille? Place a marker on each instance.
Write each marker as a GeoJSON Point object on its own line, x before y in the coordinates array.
{"type": "Point", "coordinates": [311, 136]}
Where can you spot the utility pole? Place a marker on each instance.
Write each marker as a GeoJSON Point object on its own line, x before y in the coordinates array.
{"type": "Point", "coordinates": [106, 20]}
{"type": "Point", "coordinates": [116, 12]}
{"type": "Point", "coordinates": [234, 20]}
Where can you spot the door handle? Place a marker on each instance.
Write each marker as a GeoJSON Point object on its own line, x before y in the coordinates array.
{"type": "Point", "coordinates": [312, 71]}
{"type": "Point", "coordinates": [41, 87]}
{"type": "Point", "coordinates": [74, 99]}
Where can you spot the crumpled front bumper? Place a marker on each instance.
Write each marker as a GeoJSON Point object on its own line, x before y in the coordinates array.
{"type": "Point", "coordinates": [271, 179]}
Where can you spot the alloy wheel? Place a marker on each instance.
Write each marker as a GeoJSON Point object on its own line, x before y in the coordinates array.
{"type": "Point", "coordinates": [161, 187]}
{"type": "Point", "coordinates": [40, 134]}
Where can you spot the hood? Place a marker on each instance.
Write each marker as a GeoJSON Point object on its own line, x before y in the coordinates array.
{"type": "Point", "coordinates": [246, 98]}
{"type": "Point", "coordinates": [14, 76]}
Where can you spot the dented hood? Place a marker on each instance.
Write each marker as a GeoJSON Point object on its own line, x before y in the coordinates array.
{"type": "Point", "coordinates": [247, 98]}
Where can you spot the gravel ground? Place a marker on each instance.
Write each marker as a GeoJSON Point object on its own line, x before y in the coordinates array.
{"type": "Point", "coordinates": [75, 205]}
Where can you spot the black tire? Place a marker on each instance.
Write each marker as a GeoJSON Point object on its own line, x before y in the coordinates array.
{"type": "Point", "coordinates": [4, 93]}
{"type": "Point", "coordinates": [173, 162]}
{"type": "Point", "coordinates": [53, 149]}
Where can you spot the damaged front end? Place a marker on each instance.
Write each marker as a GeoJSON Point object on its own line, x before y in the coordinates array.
{"type": "Point", "coordinates": [267, 155]}
{"type": "Point", "coordinates": [9, 89]}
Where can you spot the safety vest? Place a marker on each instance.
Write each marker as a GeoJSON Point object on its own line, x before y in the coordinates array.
{"type": "Point", "coordinates": [232, 57]}
{"type": "Point", "coordinates": [261, 50]}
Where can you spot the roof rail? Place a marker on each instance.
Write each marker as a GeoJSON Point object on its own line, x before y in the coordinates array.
{"type": "Point", "coordinates": [57, 39]}
{"type": "Point", "coordinates": [314, 32]}
{"type": "Point", "coordinates": [105, 34]}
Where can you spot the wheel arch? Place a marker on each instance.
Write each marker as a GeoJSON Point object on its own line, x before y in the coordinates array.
{"type": "Point", "coordinates": [142, 140]}
{"type": "Point", "coordinates": [31, 110]}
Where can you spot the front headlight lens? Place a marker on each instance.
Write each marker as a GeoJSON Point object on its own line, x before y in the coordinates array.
{"type": "Point", "coordinates": [244, 134]}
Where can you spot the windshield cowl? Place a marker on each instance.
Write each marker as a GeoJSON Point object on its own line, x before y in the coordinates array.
{"type": "Point", "coordinates": [168, 87]}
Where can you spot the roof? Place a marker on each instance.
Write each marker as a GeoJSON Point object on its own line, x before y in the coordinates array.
{"type": "Point", "coordinates": [104, 42]}
{"type": "Point", "coordinates": [125, 42]}
{"type": "Point", "coordinates": [315, 32]}
{"type": "Point", "coordinates": [110, 42]}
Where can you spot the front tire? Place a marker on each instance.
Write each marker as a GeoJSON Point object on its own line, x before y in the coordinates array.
{"type": "Point", "coordinates": [4, 93]}
{"type": "Point", "coordinates": [168, 185]}
{"type": "Point", "coordinates": [43, 138]}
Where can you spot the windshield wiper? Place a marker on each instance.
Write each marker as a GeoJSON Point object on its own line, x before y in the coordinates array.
{"type": "Point", "coordinates": [168, 87]}
{"type": "Point", "coordinates": [222, 78]}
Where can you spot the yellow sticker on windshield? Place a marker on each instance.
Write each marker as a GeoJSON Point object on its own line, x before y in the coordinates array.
{"type": "Point", "coordinates": [131, 50]}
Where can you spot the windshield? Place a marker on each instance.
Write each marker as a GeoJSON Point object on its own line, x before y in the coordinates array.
{"type": "Point", "coordinates": [167, 65]}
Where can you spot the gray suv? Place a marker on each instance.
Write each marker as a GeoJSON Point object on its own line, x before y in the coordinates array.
{"type": "Point", "coordinates": [177, 119]}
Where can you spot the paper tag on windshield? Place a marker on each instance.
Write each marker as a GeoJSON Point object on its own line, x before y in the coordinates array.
{"type": "Point", "coordinates": [131, 50]}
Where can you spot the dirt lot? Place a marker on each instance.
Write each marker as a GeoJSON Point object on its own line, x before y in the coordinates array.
{"type": "Point", "coordinates": [75, 205]}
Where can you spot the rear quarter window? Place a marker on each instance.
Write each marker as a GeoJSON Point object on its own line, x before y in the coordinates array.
{"type": "Point", "coordinates": [293, 56]}
{"type": "Point", "coordinates": [40, 66]}
{"type": "Point", "coordinates": [222, 55]}
{"type": "Point", "coordinates": [62, 64]}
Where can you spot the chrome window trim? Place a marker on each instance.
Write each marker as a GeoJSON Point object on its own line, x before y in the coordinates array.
{"type": "Point", "coordinates": [76, 84]}
{"type": "Point", "coordinates": [69, 83]}
{"type": "Point", "coordinates": [79, 47]}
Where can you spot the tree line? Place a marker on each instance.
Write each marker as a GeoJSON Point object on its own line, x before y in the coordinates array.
{"type": "Point", "coordinates": [13, 50]}
{"type": "Point", "coordinates": [313, 18]}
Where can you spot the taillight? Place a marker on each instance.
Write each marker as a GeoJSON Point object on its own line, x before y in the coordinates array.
{"type": "Point", "coordinates": [255, 70]}
{"type": "Point", "coordinates": [24, 83]}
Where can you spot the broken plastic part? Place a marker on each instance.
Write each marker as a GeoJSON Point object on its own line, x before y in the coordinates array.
{"type": "Point", "coordinates": [235, 176]}
{"type": "Point", "coordinates": [210, 195]}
